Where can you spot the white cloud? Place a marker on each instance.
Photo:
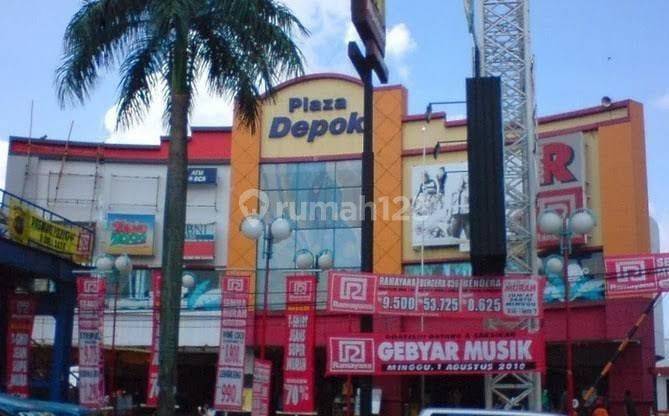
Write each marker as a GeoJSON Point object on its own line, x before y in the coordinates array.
{"type": "Point", "coordinates": [399, 41]}
{"type": "Point", "coordinates": [662, 102]}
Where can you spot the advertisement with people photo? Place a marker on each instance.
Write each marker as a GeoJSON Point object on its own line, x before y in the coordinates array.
{"type": "Point", "coordinates": [440, 205]}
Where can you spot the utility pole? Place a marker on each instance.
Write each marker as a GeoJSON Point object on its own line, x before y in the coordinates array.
{"type": "Point", "coordinates": [369, 19]}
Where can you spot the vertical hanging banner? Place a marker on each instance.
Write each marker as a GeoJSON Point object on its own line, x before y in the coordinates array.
{"type": "Point", "coordinates": [152, 389]}
{"type": "Point", "coordinates": [21, 317]}
{"type": "Point", "coordinates": [262, 375]}
{"type": "Point", "coordinates": [91, 292]}
{"type": "Point", "coordinates": [232, 345]}
{"type": "Point", "coordinates": [298, 372]}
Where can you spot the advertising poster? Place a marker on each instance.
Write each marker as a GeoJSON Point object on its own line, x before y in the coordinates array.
{"type": "Point", "coordinates": [90, 298]}
{"type": "Point", "coordinates": [154, 364]}
{"type": "Point", "coordinates": [130, 234]}
{"type": "Point", "coordinates": [234, 319]}
{"type": "Point", "coordinates": [199, 242]}
{"type": "Point", "coordinates": [298, 371]}
{"type": "Point", "coordinates": [637, 275]}
{"type": "Point", "coordinates": [446, 296]}
{"type": "Point", "coordinates": [586, 279]}
{"type": "Point", "coordinates": [262, 376]}
{"type": "Point", "coordinates": [21, 314]}
{"type": "Point", "coordinates": [473, 352]}
{"type": "Point", "coordinates": [440, 205]}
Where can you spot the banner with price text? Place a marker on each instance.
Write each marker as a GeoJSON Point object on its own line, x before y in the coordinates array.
{"type": "Point", "coordinates": [232, 345]}
{"type": "Point", "coordinates": [154, 365]}
{"type": "Point", "coordinates": [298, 371]}
{"type": "Point", "coordinates": [473, 352]}
{"type": "Point", "coordinates": [262, 378]}
{"type": "Point", "coordinates": [91, 302]}
{"type": "Point", "coordinates": [21, 314]}
{"type": "Point", "coordinates": [440, 296]}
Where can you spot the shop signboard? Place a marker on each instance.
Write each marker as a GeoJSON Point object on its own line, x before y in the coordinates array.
{"type": "Point", "coordinates": [262, 376]}
{"type": "Point", "coordinates": [298, 372]}
{"type": "Point", "coordinates": [636, 275]}
{"type": "Point", "coordinates": [561, 178]}
{"type": "Point", "coordinates": [202, 176]}
{"type": "Point", "coordinates": [232, 346]}
{"type": "Point", "coordinates": [90, 298]}
{"type": "Point", "coordinates": [25, 227]}
{"type": "Point", "coordinates": [21, 313]}
{"type": "Point", "coordinates": [130, 234]}
{"type": "Point", "coordinates": [199, 243]}
{"type": "Point", "coordinates": [475, 352]}
{"type": "Point", "coordinates": [439, 296]}
{"type": "Point", "coordinates": [440, 205]}
{"type": "Point", "coordinates": [154, 364]}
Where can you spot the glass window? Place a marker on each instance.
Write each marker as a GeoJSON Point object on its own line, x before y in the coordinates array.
{"type": "Point", "coordinates": [347, 247]}
{"type": "Point", "coordinates": [278, 176]}
{"type": "Point", "coordinates": [349, 173]}
{"type": "Point", "coordinates": [315, 175]}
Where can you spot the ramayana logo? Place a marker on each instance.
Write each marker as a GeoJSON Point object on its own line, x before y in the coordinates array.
{"type": "Point", "coordinates": [282, 126]}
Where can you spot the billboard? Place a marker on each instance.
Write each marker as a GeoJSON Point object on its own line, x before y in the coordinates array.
{"type": "Point", "coordinates": [438, 296]}
{"type": "Point", "coordinates": [199, 243]}
{"type": "Point", "coordinates": [637, 275]}
{"type": "Point", "coordinates": [561, 178]}
{"type": "Point", "coordinates": [439, 353]}
{"type": "Point", "coordinates": [130, 234]}
{"type": "Point", "coordinates": [440, 205]}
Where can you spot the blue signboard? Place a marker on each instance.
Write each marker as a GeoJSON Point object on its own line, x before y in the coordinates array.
{"type": "Point", "coordinates": [201, 175]}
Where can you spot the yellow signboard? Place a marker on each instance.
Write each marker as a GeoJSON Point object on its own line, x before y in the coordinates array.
{"type": "Point", "coordinates": [25, 227]}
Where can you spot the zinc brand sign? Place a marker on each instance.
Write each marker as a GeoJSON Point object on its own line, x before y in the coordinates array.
{"type": "Point", "coordinates": [332, 122]}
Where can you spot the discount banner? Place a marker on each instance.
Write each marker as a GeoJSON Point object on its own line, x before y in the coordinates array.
{"type": "Point", "coordinates": [20, 329]}
{"type": "Point", "coordinates": [448, 296]}
{"type": "Point", "coordinates": [636, 275]}
{"type": "Point", "coordinates": [262, 376]}
{"type": "Point", "coordinates": [298, 377]}
{"type": "Point", "coordinates": [230, 368]}
{"type": "Point", "coordinates": [91, 295]}
{"type": "Point", "coordinates": [154, 365]}
{"type": "Point", "coordinates": [442, 353]}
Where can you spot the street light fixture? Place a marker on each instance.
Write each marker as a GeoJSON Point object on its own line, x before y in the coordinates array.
{"type": "Point", "coordinates": [581, 221]}
{"type": "Point", "coordinates": [305, 260]}
{"type": "Point", "coordinates": [279, 229]}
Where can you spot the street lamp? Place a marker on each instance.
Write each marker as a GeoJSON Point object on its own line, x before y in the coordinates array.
{"type": "Point", "coordinates": [581, 221]}
{"type": "Point", "coordinates": [116, 267]}
{"type": "Point", "coordinates": [305, 260]}
{"type": "Point", "coordinates": [279, 229]}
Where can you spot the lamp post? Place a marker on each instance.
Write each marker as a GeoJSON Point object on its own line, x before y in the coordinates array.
{"type": "Point", "coordinates": [305, 260]}
{"type": "Point", "coordinates": [580, 222]}
{"type": "Point", "coordinates": [116, 267]}
{"type": "Point", "coordinates": [279, 229]}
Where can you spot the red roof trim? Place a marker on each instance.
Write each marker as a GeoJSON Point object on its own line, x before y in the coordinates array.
{"type": "Point", "coordinates": [456, 123]}
{"type": "Point", "coordinates": [587, 127]}
{"type": "Point", "coordinates": [421, 117]}
{"type": "Point", "coordinates": [585, 112]}
{"type": "Point", "coordinates": [326, 158]}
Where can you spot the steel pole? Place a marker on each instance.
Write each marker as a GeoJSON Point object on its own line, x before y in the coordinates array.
{"type": "Point", "coordinates": [566, 243]}
{"type": "Point", "coordinates": [265, 307]}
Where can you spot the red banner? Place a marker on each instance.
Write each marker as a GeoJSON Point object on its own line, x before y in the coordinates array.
{"type": "Point", "coordinates": [232, 345]}
{"type": "Point", "coordinates": [439, 353]}
{"type": "Point", "coordinates": [262, 376]}
{"type": "Point", "coordinates": [154, 364]}
{"type": "Point", "coordinates": [636, 275]}
{"type": "Point", "coordinates": [298, 374]}
{"type": "Point", "coordinates": [447, 296]}
{"type": "Point", "coordinates": [91, 300]}
{"type": "Point", "coordinates": [21, 314]}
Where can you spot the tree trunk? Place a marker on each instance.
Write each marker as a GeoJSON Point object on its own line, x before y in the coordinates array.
{"type": "Point", "coordinates": [173, 233]}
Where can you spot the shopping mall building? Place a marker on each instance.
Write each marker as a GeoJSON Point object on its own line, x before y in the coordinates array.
{"type": "Point", "coordinates": [304, 162]}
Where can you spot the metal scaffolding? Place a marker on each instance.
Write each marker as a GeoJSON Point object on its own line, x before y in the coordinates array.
{"type": "Point", "coordinates": [502, 48]}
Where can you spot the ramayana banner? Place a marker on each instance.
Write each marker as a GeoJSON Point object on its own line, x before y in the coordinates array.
{"type": "Point", "coordinates": [439, 353]}
{"type": "Point", "coordinates": [448, 296]}
{"type": "Point", "coordinates": [262, 377]}
{"type": "Point", "coordinates": [298, 370]}
{"type": "Point", "coordinates": [230, 368]}
{"type": "Point", "coordinates": [154, 364]}
{"type": "Point", "coordinates": [636, 275]}
{"type": "Point", "coordinates": [21, 314]}
{"type": "Point", "coordinates": [91, 302]}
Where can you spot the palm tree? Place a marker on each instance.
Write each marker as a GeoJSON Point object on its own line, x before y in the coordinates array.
{"type": "Point", "coordinates": [241, 47]}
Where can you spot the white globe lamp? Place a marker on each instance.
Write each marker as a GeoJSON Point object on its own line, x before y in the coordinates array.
{"type": "Point", "coordinates": [304, 259]}
{"type": "Point", "coordinates": [553, 265]}
{"type": "Point", "coordinates": [325, 260]}
{"type": "Point", "coordinates": [582, 221]}
{"type": "Point", "coordinates": [252, 227]}
{"type": "Point", "coordinates": [280, 229]}
{"type": "Point", "coordinates": [104, 263]}
{"type": "Point", "coordinates": [123, 264]}
{"type": "Point", "coordinates": [550, 222]}
{"type": "Point", "coordinates": [188, 281]}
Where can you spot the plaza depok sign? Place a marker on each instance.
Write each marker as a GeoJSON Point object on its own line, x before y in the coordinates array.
{"type": "Point", "coordinates": [438, 296]}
